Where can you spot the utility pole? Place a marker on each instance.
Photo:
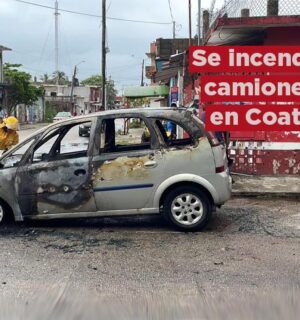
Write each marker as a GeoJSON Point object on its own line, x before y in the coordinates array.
{"type": "Point", "coordinates": [72, 89]}
{"type": "Point", "coordinates": [142, 80]}
{"type": "Point", "coordinates": [174, 29]}
{"type": "Point", "coordinates": [199, 22]}
{"type": "Point", "coordinates": [56, 14]}
{"type": "Point", "coordinates": [190, 23]}
{"type": "Point", "coordinates": [73, 85]}
{"type": "Point", "coordinates": [104, 104]}
{"type": "Point", "coordinates": [1, 67]}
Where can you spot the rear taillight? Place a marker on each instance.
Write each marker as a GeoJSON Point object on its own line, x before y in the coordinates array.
{"type": "Point", "coordinates": [220, 169]}
{"type": "Point", "coordinates": [212, 139]}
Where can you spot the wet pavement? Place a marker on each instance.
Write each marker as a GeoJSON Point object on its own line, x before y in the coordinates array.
{"type": "Point", "coordinates": [252, 245]}
{"type": "Point", "coordinates": [250, 249]}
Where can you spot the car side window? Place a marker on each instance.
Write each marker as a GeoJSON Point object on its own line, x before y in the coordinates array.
{"type": "Point", "coordinates": [124, 135]}
{"type": "Point", "coordinates": [14, 159]}
{"type": "Point", "coordinates": [63, 143]}
{"type": "Point", "coordinates": [173, 133]}
{"type": "Point", "coordinates": [42, 149]}
{"type": "Point", "coordinates": [74, 141]}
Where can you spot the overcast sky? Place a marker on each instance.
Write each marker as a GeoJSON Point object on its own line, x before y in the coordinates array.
{"type": "Point", "coordinates": [29, 31]}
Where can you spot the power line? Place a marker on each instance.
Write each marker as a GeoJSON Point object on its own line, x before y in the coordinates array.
{"type": "Point", "coordinates": [44, 46]}
{"type": "Point", "coordinates": [173, 20]}
{"type": "Point", "coordinates": [120, 68]}
{"type": "Point", "coordinates": [93, 15]}
{"type": "Point", "coordinates": [171, 11]}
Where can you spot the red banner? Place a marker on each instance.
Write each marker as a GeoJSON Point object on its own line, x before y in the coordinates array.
{"type": "Point", "coordinates": [244, 59]}
{"type": "Point", "coordinates": [250, 88]}
{"type": "Point", "coordinates": [252, 118]}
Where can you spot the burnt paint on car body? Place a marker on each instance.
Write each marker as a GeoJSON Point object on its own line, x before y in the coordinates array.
{"type": "Point", "coordinates": [43, 186]}
{"type": "Point", "coordinates": [67, 196]}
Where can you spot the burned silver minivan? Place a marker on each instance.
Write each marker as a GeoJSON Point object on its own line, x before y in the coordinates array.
{"type": "Point", "coordinates": [179, 171]}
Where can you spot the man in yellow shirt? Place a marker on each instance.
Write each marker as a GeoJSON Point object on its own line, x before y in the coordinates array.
{"type": "Point", "coordinates": [8, 133]}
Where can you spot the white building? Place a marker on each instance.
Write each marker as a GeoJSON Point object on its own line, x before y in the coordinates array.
{"type": "Point", "coordinates": [85, 98]}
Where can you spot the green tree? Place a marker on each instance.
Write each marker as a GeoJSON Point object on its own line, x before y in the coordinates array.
{"type": "Point", "coordinates": [96, 80]}
{"type": "Point", "coordinates": [45, 78]}
{"type": "Point", "coordinates": [139, 102]}
{"type": "Point", "coordinates": [19, 89]}
{"type": "Point", "coordinates": [111, 93]}
{"type": "Point", "coordinates": [60, 78]}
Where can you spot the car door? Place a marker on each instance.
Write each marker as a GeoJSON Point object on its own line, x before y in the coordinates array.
{"type": "Point", "coordinates": [185, 151]}
{"type": "Point", "coordinates": [127, 166]}
{"type": "Point", "coordinates": [56, 177]}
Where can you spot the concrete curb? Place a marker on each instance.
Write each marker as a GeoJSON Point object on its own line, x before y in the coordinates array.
{"type": "Point", "coordinates": [287, 186]}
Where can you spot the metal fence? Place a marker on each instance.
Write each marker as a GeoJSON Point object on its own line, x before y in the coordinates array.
{"type": "Point", "coordinates": [258, 8]}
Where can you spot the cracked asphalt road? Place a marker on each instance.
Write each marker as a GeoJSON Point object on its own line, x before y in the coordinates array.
{"type": "Point", "coordinates": [252, 245]}
{"type": "Point", "coordinates": [245, 264]}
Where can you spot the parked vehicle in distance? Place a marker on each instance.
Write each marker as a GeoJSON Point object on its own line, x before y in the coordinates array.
{"type": "Point", "coordinates": [116, 172]}
{"type": "Point", "coordinates": [84, 130]}
{"type": "Point", "coordinates": [62, 116]}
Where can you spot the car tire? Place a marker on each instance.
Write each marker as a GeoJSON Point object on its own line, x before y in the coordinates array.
{"type": "Point", "coordinates": [187, 208]}
{"type": "Point", "coordinates": [5, 217]}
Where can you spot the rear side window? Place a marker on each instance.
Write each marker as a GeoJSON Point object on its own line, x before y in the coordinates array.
{"type": "Point", "coordinates": [173, 133]}
{"type": "Point", "coordinates": [124, 135]}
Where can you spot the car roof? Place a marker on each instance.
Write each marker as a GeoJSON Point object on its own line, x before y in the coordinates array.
{"type": "Point", "coordinates": [172, 113]}
{"type": "Point", "coordinates": [146, 112]}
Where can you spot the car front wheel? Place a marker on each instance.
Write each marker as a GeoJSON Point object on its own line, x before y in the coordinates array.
{"type": "Point", "coordinates": [3, 215]}
{"type": "Point", "coordinates": [187, 208]}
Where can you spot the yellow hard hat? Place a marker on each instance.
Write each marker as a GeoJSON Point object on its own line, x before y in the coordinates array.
{"type": "Point", "coordinates": [11, 123]}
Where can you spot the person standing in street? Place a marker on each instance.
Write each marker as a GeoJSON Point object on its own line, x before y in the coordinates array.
{"type": "Point", "coordinates": [8, 133]}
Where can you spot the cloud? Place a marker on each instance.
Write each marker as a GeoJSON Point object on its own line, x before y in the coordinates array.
{"type": "Point", "coordinates": [29, 31]}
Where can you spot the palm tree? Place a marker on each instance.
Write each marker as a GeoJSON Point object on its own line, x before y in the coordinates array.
{"type": "Point", "coordinates": [60, 78]}
{"type": "Point", "coordinates": [45, 78]}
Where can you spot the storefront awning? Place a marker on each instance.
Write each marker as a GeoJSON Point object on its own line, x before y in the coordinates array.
{"type": "Point", "coordinates": [148, 91]}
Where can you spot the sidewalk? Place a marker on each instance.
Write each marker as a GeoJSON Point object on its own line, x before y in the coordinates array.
{"type": "Point", "coordinates": [266, 185]}
{"type": "Point", "coordinates": [32, 126]}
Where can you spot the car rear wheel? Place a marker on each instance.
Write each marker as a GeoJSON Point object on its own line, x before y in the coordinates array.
{"type": "Point", "coordinates": [187, 208]}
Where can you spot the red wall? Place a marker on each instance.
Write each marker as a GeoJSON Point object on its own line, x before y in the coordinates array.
{"type": "Point", "coordinates": [282, 36]}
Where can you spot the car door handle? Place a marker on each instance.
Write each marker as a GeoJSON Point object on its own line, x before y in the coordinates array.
{"type": "Point", "coordinates": [150, 164]}
{"type": "Point", "coordinates": [80, 172]}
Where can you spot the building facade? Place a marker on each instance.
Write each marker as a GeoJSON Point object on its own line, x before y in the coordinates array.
{"type": "Point", "coordinates": [86, 99]}
{"type": "Point", "coordinates": [266, 23]}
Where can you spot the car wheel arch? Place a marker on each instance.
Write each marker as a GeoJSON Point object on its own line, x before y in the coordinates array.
{"type": "Point", "coordinates": [184, 179]}
{"type": "Point", "coordinates": [185, 183]}
{"type": "Point", "coordinates": [9, 212]}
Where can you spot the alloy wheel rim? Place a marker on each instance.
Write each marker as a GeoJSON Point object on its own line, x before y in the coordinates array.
{"type": "Point", "coordinates": [187, 209]}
